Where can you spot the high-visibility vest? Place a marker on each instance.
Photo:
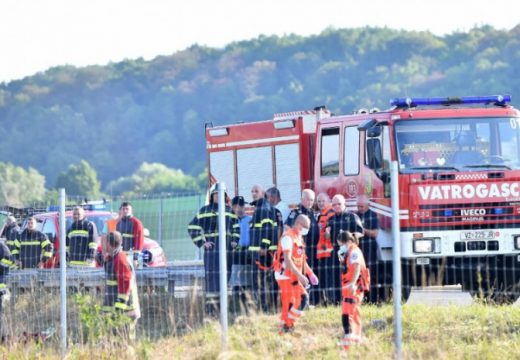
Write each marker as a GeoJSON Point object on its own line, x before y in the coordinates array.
{"type": "Point", "coordinates": [363, 281]}
{"type": "Point", "coordinates": [297, 255]}
{"type": "Point", "coordinates": [324, 248]}
{"type": "Point", "coordinates": [111, 225]}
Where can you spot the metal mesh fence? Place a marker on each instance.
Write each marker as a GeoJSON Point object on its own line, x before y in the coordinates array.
{"type": "Point", "coordinates": [178, 295]}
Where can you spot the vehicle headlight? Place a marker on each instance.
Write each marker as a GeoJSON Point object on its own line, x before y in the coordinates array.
{"type": "Point", "coordinates": [423, 246]}
{"type": "Point", "coordinates": [147, 256]}
{"type": "Point", "coordinates": [517, 241]}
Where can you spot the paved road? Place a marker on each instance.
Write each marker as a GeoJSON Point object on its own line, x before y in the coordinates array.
{"type": "Point", "coordinates": [442, 295]}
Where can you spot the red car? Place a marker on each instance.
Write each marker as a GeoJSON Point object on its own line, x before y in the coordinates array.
{"type": "Point", "coordinates": [48, 223]}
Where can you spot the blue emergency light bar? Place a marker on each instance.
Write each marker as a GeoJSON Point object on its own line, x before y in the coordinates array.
{"type": "Point", "coordinates": [498, 100]}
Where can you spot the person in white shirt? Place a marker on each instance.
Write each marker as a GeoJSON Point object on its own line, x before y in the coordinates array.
{"type": "Point", "coordinates": [274, 198]}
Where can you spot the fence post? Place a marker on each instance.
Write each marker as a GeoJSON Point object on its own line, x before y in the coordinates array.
{"type": "Point", "coordinates": [161, 209]}
{"type": "Point", "coordinates": [396, 259]}
{"type": "Point", "coordinates": [63, 277]}
{"type": "Point", "coordinates": [223, 262]}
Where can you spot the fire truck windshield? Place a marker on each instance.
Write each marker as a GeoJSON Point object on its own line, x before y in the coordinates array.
{"type": "Point", "coordinates": [458, 144]}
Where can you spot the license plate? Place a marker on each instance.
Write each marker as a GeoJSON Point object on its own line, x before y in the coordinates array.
{"type": "Point", "coordinates": [423, 261]}
{"type": "Point", "coordinates": [478, 235]}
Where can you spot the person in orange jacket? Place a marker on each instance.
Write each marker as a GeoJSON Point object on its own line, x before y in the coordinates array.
{"type": "Point", "coordinates": [292, 272]}
{"type": "Point", "coordinates": [324, 250]}
{"type": "Point", "coordinates": [355, 280]}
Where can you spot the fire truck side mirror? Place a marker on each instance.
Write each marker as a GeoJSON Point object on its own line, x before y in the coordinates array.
{"type": "Point", "coordinates": [374, 154]}
{"type": "Point", "coordinates": [374, 132]}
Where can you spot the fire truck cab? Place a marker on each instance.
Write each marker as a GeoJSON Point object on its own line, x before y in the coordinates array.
{"type": "Point", "coordinates": [459, 181]}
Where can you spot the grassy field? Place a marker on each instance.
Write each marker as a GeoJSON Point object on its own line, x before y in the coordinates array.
{"type": "Point", "coordinates": [442, 332]}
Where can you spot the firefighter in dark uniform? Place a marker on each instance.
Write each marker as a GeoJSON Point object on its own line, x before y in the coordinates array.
{"type": "Point", "coordinates": [342, 220]}
{"type": "Point", "coordinates": [368, 245]}
{"type": "Point", "coordinates": [203, 230]}
{"type": "Point", "coordinates": [311, 239]}
{"type": "Point", "coordinates": [264, 233]}
{"type": "Point", "coordinates": [32, 248]}
{"type": "Point", "coordinates": [81, 239]}
{"type": "Point", "coordinates": [10, 230]}
{"type": "Point", "coordinates": [130, 228]}
{"type": "Point", "coordinates": [6, 262]}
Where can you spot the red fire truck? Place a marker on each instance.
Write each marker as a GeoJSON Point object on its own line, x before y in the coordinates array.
{"type": "Point", "coordinates": [459, 180]}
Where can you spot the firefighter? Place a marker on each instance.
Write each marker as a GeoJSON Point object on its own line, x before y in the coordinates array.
{"type": "Point", "coordinates": [130, 228]}
{"type": "Point", "coordinates": [355, 280]}
{"type": "Point", "coordinates": [311, 239]}
{"type": "Point", "coordinates": [32, 248]}
{"type": "Point", "coordinates": [81, 239]}
{"type": "Point", "coordinates": [368, 245]}
{"type": "Point", "coordinates": [10, 230]}
{"type": "Point", "coordinates": [264, 234]}
{"type": "Point", "coordinates": [203, 230]}
{"type": "Point", "coordinates": [292, 272]}
{"type": "Point", "coordinates": [6, 262]}
{"type": "Point", "coordinates": [324, 250]}
{"type": "Point", "coordinates": [121, 296]}
{"type": "Point", "coordinates": [342, 220]}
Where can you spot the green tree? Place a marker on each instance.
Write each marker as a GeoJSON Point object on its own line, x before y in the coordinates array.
{"type": "Point", "coordinates": [20, 187]}
{"type": "Point", "coordinates": [154, 178]}
{"type": "Point", "coordinates": [79, 179]}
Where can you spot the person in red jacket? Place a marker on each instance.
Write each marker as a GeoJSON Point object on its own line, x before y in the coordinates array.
{"type": "Point", "coordinates": [355, 280]}
{"type": "Point", "coordinates": [130, 228]}
{"type": "Point", "coordinates": [121, 287]}
{"type": "Point", "coordinates": [292, 273]}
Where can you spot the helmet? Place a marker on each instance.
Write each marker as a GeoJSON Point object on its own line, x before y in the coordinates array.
{"type": "Point", "coordinates": [213, 190]}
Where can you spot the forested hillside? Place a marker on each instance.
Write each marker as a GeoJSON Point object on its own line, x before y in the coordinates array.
{"type": "Point", "coordinates": [120, 115]}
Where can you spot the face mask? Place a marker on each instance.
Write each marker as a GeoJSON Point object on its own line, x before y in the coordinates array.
{"type": "Point", "coordinates": [304, 231]}
{"type": "Point", "coordinates": [343, 249]}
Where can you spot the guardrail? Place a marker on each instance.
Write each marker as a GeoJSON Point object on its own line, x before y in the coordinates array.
{"type": "Point", "coordinates": [179, 273]}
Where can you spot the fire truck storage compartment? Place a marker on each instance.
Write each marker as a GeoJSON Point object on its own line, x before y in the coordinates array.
{"type": "Point", "coordinates": [288, 172]}
{"type": "Point", "coordinates": [222, 168]}
{"type": "Point", "coordinates": [254, 166]}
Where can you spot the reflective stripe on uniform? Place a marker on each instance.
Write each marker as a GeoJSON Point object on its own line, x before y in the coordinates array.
{"type": "Point", "coordinates": [206, 215]}
{"type": "Point", "coordinates": [254, 248]}
{"type": "Point", "coordinates": [78, 262]}
{"type": "Point", "coordinates": [45, 243]}
{"type": "Point", "coordinates": [29, 243]}
{"type": "Point", "coordinates": [6, 262]}
{"type": "Point", "coordinates": [123, 297]}
{"type": "Point", "coordinates": [266, 241]}
{"type": "Point", "coordinates": [261, 223]}
{"type": "Point", "coordinates": [47, 254]}
{"type": "Point", "coordinates": [194, 227]}
{"type": "Point", "coordinates": [111, 282]}
{"type": "Point", "coordinates": [92, 245]}
{"type": "Point", "coordinates": [81, 233]}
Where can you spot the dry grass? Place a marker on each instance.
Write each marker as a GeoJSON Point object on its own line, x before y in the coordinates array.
{"type": "Point", "coordinates": [441, 332]}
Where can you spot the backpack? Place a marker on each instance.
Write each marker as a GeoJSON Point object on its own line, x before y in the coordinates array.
{"type": "Point", "coordinates": [364, 280]}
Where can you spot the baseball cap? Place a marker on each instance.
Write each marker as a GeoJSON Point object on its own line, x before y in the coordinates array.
{"type": "Point", "coordinates": [238, 200]}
